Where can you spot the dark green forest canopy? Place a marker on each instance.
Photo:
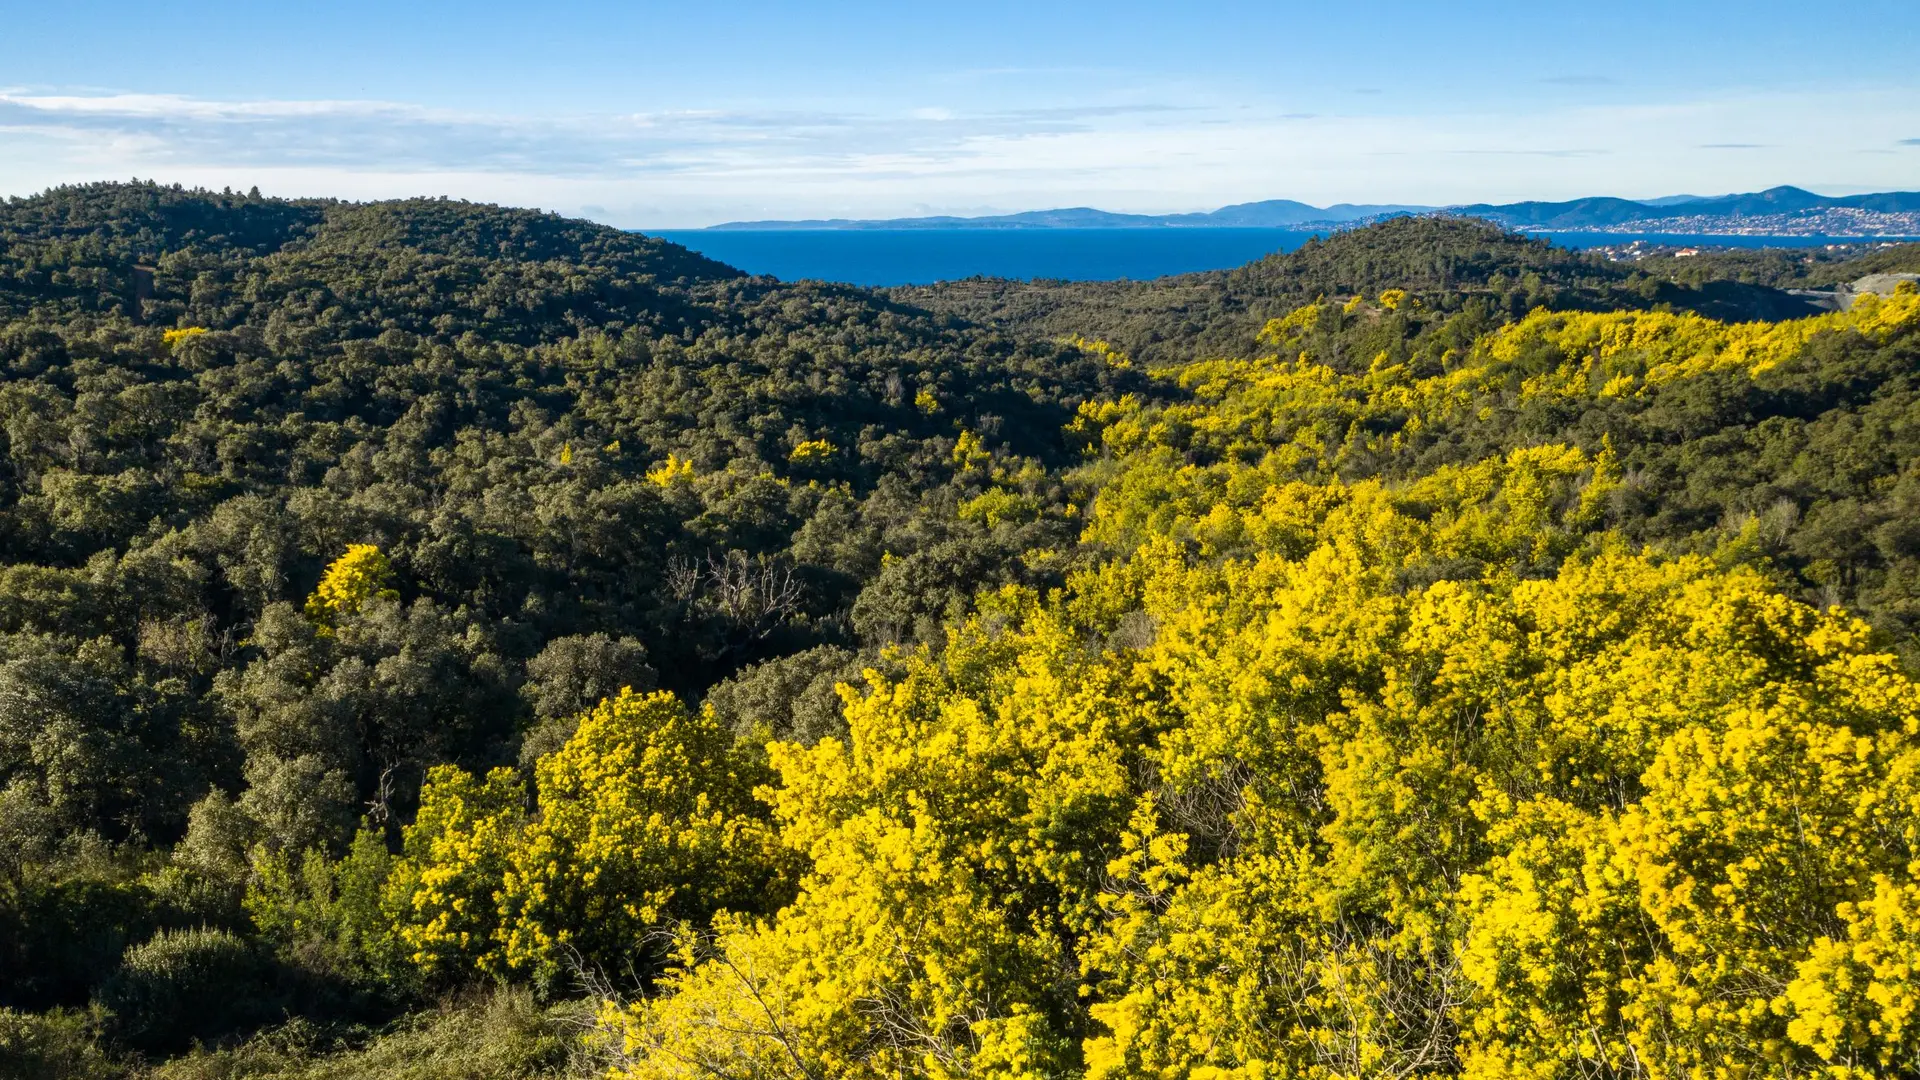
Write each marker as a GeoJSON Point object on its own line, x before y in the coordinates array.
{"type": "Point", "coordinates": [207, 397]}
{"type": "Point", "coordinates": [99, 248]}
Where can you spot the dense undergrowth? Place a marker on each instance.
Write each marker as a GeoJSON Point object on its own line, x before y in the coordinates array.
{"type": "Point", "coordinates": [1492, 665]}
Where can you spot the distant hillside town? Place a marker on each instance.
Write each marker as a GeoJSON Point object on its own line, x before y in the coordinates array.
{"type": "Point", "coordinates": [1830, 221]}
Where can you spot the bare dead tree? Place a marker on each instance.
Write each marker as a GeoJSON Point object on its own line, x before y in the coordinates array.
{"type": "Point", "coordinates": [751, 594]}
{"type": "Point", "coordinates": [683, 578]}
{"type": "Point", "coordinates": [380, 807]}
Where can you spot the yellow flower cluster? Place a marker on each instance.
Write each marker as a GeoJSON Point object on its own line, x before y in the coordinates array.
{"type": "Point", "coordinates": [363, 573]}
{"type": "Point", "coordinates": [643, 818]}
{"type": "Point", "coordinates": [1105, 350]}
{"type": "Point", "coordinates": [970, 451]}
{"type": "Point", "coordinates": [671, 471]}
{"type": "Point", "coordinates": [811, 451]}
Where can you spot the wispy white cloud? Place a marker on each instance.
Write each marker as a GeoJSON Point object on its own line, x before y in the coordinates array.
{"type": "Point", "coordinates": [683, 167]}
{"type": "Point", "coordinates": [1567, 153]}
{"type": "Point", "coordinates": [388, 137]}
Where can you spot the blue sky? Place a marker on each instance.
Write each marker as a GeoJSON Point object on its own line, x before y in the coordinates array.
{"type": "Point", "coordinates": [646, 114]}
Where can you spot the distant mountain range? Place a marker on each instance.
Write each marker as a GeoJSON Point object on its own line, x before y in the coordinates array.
{"type": "Point", "coordinates": [1782, 211]}
{"type": "Point", "coordinates": [1273, 213]}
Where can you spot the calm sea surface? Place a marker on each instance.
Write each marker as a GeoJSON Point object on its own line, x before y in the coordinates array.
{"type": "Point", "coordinates": [919, 256]}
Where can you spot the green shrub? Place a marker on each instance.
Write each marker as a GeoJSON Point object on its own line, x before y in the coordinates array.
{"type": "Point", "coordinates": [791, 698]}
{"type": "Point", "coordinates": [322, 918]}
{"type": "Point", "coordinates": [58, 939]}
{"type": "Point", "coordinates": [504, 1036]}
{"type": "Point", "coordinates": [187, 984]}
{"type": "Point", "coordinates": [59, 1045]}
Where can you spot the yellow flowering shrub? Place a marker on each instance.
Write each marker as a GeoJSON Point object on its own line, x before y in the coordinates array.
{"type": "Point", "coordinates": [671, 471]}
{"type": "Point", "coordinates": [1105, 350]}
{"type": "Point", "coordinates": [361, 574]}
{"type": "Point", "coordinates": [970, 451]}
{"type": "Point", "coordinates": [1313, 769]}
{"type": "Point", "coordinates": [811, 451]}
{"type": "Point", "coordinates": [954, 840]}
{"type": "Point", "coordinates": [644, 818]}
{"type": "Point", "coordinates": [444, 895]}
{"type": "Point", "coordinates": [1856, 1001]}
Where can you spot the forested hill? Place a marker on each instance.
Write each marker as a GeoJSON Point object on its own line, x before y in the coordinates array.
{"type": "Point", "coordinates": [158, 256]}
{"type": "Point", "coordinates": [1453, 261]}
{"type": "Point", "coordinates": [87, 248]}
{"type": "Point", "coordinates": [444, 641]}
{"type": "Point", "coordinates": [590, 459]}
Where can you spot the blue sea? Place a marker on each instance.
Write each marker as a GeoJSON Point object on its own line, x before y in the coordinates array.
{"type": "Point", "coordinates": [921, 256]}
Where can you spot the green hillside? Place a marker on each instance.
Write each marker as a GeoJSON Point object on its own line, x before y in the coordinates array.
{"type": "Point", "coordinates": [446, 641]}
{"type": "Point", "coordinates": [1450, 261]}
